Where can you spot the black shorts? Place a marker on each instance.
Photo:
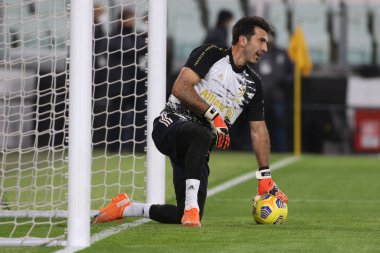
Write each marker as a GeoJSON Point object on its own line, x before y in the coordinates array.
{"type": "Point", "coordinates": [165, 128]}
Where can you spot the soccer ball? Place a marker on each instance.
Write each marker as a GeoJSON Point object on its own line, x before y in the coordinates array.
{"type": "Point", "coordinates": [269, 209]}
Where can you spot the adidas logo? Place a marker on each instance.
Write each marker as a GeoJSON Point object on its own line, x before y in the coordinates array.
{"type": "Point", "coordinates": [191, 187]}
{"type": "Point", "coordinates": [122, 203]}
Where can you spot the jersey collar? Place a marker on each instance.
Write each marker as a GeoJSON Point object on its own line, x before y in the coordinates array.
{"type": "Point", "coordinates": [234, 67]}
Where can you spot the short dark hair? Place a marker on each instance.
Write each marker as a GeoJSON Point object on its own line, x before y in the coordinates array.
{"type": "Point", "coordinates": [246, 26]}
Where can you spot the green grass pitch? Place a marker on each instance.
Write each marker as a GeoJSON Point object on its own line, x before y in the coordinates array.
{"type": "Point", "coordinates": [333, 207]}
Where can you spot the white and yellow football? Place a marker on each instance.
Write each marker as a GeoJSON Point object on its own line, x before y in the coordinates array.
{"type": "Point", "coordinates": [268, 209]}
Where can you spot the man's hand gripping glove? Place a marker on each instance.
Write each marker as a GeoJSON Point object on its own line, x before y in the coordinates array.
{"type": "Point", "coordinates": [220, 128]}
{"type": "Point", "coordinates": [267, 185]}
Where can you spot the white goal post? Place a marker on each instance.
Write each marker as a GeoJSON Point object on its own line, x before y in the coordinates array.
{"type": "Point", "coordinates": [79, 174]}
{"type": "Point", "coordinates": [157, 68]}
{"type": "Point", "coordinates": [75, 127]}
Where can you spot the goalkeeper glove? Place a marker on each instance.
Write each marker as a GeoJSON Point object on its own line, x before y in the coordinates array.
{"type": "Point", "coordinates": [220, 128]}
{"type": "Point", "coordinates": [267, 185]}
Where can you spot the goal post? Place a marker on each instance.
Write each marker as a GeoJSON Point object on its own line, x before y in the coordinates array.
{"type": "Point", "coordinates": [76, 123]}
{"type": "Point", "coordinates": [79, 181]}
{"type": "Point", "coordinates": [156, 80]}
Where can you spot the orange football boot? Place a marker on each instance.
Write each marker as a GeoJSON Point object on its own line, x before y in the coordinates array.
{"type": "Point", "coordinates": [114, 210]}
{"type": "Point", "coordinates": [190, 218]}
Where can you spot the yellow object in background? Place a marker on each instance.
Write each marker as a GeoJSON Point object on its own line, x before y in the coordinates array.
{"type": "Point", "coordinates": [299, 54]}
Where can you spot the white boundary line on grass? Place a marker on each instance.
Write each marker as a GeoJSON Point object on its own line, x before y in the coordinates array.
{"type": "Point", "coordinates": [229, 184]}
{"type": "Point", "coordinates": [248, 176]}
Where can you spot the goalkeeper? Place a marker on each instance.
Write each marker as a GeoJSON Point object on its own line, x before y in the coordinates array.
{"type": "Point", "coordinates": [213, 88]}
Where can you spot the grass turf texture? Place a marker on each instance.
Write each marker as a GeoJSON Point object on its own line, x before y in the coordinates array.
{"type": "Point", "coordinates": [333, 207]}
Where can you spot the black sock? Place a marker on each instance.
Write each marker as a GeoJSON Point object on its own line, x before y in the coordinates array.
{"type": "Point", "coordinates": [165, 214]}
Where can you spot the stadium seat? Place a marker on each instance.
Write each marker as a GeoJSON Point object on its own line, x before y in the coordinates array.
{"type": "Point", "coordinates": [359, 46]}
{"type": "Point", "coordinates": [184, 25]}
{"type": "Point", "coordinates": [376, 19]}
{"type": "Point", "coordinates": [12, 15]}
{"type": "Point", "coordinates": [48, 20]}
{"type": "Point", "coordinates": [214, 6]}
{"type": "Point", "coordinates": [312, 17]}
{"type": "Point", "coordinates": [319, 46]}
{"type": "Point", "coordinates": [50, 7]}
{"type": "Point", "coordinates": [276, 13]}
{"type": "Point", "coordinates": [29, 27]}
{"type": "Point", "coordinates": [376, 28]}
{"type": "Point", "coordinates": [15, 117]}
{"type": "Point", "coordinates": [334, 10]}
{"type": "Point", "coordinates": [4, 40]}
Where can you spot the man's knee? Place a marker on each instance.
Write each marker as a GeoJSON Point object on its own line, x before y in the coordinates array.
{"type": "Point", "coordinates": [195, 134]}
{"type": "Point", "coordinates": [202, 135]}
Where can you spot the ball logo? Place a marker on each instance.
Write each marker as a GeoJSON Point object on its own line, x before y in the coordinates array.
{"type": "Point", "coordinates": [269, 210]}
{"type": "Point", "coordinates": [265, 211]}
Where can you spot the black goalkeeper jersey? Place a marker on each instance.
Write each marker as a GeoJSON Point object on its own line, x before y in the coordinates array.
{"type": "Point", "coordinates": [230, 90]}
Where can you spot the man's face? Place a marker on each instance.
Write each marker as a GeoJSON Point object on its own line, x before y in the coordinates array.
{"type": "Point", "coordinates": [256, 46]}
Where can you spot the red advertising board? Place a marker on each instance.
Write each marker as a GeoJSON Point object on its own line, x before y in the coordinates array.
{"type": "Point", "coordinates": [367, 134]}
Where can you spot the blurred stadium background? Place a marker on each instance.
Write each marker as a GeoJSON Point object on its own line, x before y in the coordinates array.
{"type": "Point", "coordinates": [340, 102]}
{"type": "Point", "coordinates": [339, 106]}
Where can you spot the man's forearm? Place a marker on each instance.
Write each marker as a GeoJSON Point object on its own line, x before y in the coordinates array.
{"type": "Point", "coordinates": [184, 91]}
{"type": "Point", "coordinates": [188, 96]}
{"type": "Point", "coordinates": [260, 143]}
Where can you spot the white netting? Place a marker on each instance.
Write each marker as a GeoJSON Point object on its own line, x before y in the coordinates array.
{"type": "Point", "coordinates": [119, 105]}
{"type": "Point", "coordinates": [34, 47]}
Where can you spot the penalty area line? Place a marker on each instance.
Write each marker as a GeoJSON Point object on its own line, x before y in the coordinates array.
{"type": "Point", "coordinates": [222, 187]}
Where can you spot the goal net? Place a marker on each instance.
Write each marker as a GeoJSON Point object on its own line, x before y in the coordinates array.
{"type": "Point", "coordinates": [34, 118]}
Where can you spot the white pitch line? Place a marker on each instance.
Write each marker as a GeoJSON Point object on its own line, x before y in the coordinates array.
{"type": "Point", "coordinates": [106, 233]}
{"type": "Point", "coordinates": [245, 177]}
{"type": "Point", "coordinates": [229, 184]}
{"type": "Point", "coordinates": [114, 230]}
